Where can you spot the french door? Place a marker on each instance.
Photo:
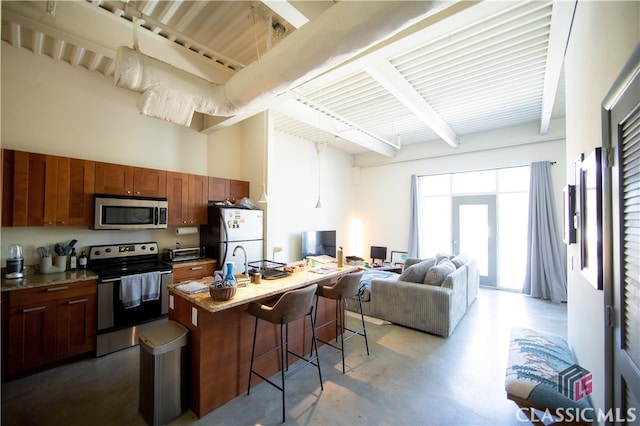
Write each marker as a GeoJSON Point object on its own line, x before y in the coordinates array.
{"type": "Point", "coordinates": [474, 226]}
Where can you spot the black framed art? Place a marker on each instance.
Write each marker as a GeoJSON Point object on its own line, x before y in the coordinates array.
{"type": "Point", "coordinates": [591, 218]}
{"type": "Point", "coordinates": [568, 214]}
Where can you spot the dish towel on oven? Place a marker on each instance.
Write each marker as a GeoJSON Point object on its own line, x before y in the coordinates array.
{"type": "Point", "coordinates": [135, 289]}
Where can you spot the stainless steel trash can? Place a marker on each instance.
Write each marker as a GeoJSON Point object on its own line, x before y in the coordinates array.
{"type": "Point", "coordinates": [163, 372]}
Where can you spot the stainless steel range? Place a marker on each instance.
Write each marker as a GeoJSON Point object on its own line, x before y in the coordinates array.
{"type": "Point", "coordinates": [132, 292]}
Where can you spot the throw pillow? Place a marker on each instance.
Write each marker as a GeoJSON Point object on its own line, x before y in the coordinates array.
{"type": "Point", "coordinates": [440, 256]}
{"type": "Point", "coordinates": [416, 273]}
{"type": "Point", "coordinates": [411, 261]}
{"type": "Point", "coordinates": [436, 274]}
{"type": "Point", "coordinates": [459, 260]}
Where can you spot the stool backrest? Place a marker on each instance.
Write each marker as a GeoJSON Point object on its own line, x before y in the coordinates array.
{"type": "Point", "coordinates": [348, 285]}
{"type": "Point", "coordinates": [294, 304]}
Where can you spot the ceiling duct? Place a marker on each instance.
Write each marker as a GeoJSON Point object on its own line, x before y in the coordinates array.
{"type": "Point", "coordinates": [339, 34]}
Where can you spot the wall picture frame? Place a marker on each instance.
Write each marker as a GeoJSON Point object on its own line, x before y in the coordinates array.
{"type": "Point", "coordinates": [591, 219]}
{"type": "Point", "coordinates": [398, 257]}
{"type": "Point", "coordinates": [568, 214]}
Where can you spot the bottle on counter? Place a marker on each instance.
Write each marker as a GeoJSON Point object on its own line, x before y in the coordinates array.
{"type": "Point", "coordinates": [82, 261]}
{"type": "Point", "coordinates": [73, 260]}
{"type": "Point", "coordinates": [340, 257]}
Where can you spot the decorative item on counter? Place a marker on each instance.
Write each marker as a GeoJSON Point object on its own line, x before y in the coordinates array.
{"type": "Point", "coordinates": [276, 250]}
{"type": "Point", "coordinates": [225, 289]}
{"type": "Point", "coordinates": [82, 261]}
{"type": "Point", "coordinates": [340, 257]}
{"type": "Point", "coordinates": [354, 260]}
{"type": "Point", "coordinates": [73, 260]}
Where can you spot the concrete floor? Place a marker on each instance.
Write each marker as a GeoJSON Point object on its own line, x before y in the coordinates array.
{"type": "Point", "coordinates": [410, 378]}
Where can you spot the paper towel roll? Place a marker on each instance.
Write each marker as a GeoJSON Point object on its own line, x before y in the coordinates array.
{"type": "Point", "coordinates": [187, 230]}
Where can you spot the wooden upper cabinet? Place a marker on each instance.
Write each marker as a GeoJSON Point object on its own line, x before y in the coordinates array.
{"type": "Point", "coordinates": [116, 179]}
{"type": "Point", "coordinates": [178, 198]}
{"type": "Point", "coordinates": [221, 189]}
{"type": "Point", "coordinates": [218, 189]}
{"type": "Point", "coordinates": [113, 179]}
{"type": "Point", "coordinates": [76, 181]}
{"type": "Point", "coordinates": [149, 182]}
{"type": "Point", "coordinates": [7, 186]}
{"type": "Point", "coordinates": [198, 198]}
{"type": "Point", "coordinates": [188, 197]}
{"type": "Point", "coordinates": [238, 189]}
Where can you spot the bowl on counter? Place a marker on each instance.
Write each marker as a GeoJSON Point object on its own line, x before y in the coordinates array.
{"type": "Point", "coordinates": [222, 294]}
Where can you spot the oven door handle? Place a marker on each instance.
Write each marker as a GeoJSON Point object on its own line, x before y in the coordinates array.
{"type": "Point", "coordinates": [109, 280]}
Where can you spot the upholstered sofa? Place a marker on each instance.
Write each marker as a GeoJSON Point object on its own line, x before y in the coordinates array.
{"type": "Point", "coordinates": [430, 295]}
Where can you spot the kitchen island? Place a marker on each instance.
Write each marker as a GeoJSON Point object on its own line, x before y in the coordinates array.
{"type": "Point", "coordinates": [220, 335]}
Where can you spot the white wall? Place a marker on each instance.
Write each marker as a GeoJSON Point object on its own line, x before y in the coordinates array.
{"type": "Point", "coordinates": [383, 191]}
{"type": "Point", "coordinates": [293, 193]}
{"type": "Point", "coordinates": [602, 38]}
{"type": "Point", "coordinates": [53, 108]}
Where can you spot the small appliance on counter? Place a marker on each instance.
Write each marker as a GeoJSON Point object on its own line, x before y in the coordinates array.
{"type": "Point", "coordinates": [183, 254]}
{"type": "Point", "coordinates": [15, 262]}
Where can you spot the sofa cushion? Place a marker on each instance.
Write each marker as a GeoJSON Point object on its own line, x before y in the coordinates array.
{"type": "Point", "coordinates": [440, 256]}
{"type": "Point", "coordinates": [410, 261]}
{"type": "Point", "coordinates": [459, 260]}
{"type": "Point", "coordinates": [437, 273]}
{"type": "Point", "coordinates": [416, 273]}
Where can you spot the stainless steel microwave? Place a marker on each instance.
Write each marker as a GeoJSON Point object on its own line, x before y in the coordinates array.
{"type": "Point", "coordinates": [123, 212]}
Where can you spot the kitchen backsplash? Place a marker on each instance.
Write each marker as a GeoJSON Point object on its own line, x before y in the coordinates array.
{"type": "Point", "coordinates": [33, 237]}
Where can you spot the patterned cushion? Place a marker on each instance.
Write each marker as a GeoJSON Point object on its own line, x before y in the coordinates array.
{"type": "Point", "coordinates": [415, 273]}
{"type": "Point", "coordinates": [436, 274]}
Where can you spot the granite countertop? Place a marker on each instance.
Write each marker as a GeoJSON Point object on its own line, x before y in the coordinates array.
{"type": "Point", "coordinates": [253, 292]}
{"type": "Point", "coordinates": [40, 280]}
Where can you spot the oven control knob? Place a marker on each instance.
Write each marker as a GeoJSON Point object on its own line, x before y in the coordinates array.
{"type": "Point", "coordinates": [151, 248]}
{"type": "Point", "coordinates": [143, 247]}
{"type": "Point", "coordinates": [108, 250]}
{"type": "Point", "coordinates": [97, 253]}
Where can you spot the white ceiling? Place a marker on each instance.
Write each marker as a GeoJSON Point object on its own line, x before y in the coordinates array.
{"type": "Point", "coordinates": [472, 68]}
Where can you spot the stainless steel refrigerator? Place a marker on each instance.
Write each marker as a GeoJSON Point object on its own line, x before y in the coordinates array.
{"type": "Point", "coordinates": [229, 227]}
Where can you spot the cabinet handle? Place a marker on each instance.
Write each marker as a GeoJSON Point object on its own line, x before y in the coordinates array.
{"type": "Point", "coordinates": [58, 288]}
{"type": "Point", "coordinates": [196, 268]}
{"type": "Point", "coordinates": [27, 310]}
{"type": "Point", "coordinates": [73, 302]}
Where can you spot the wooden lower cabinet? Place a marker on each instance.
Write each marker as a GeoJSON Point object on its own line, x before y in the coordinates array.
{"type": "Point", "coordinates": [193, 272]}
{"type": "Point", "coordinates": [48, 324]}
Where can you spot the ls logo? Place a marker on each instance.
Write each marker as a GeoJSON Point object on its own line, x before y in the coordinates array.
{"type": "Point", "coordinates": [575, 382]}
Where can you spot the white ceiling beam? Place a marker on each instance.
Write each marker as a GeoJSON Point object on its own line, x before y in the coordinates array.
{"type": "Point", "coordinates": [395, 83]}
{"type": "Point", "coordinates": [561, 20]}
{"type": "Point", "coordinates": [315, 118]}
{"type": "Point", "coordinates": [287, 11]}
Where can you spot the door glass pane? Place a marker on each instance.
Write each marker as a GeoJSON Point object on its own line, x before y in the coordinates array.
{"type": "Point", "coordinates": [474, 182]}
{"type": "Point", "coordinates": [474, 234]}
{"type": "Point", "coordinates": [435, 225]}
{"type": "Point", "coordinates": [512, 239]}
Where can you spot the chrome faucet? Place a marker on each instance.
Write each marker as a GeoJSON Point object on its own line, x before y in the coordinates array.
{"type": "Point", "coordinates": [246, 261]}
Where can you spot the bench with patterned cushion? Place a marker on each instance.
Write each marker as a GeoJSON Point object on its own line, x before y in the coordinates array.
{"type": "Point", "coordinates": [535, 361]}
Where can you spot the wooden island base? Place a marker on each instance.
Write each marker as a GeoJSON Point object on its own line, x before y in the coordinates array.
{"type": "Point", "coordinates": [220, 344]}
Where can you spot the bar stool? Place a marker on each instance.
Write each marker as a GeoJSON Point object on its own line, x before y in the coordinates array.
{"type": "Point", "coordinates": [292, 305]}
{"type": "Point", "coordinates": [347, 287]}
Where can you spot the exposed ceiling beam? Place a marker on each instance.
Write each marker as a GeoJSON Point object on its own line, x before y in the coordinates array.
{"type": "Point", "coordinates": [561, 20]}
{"type": "Point", "coordinates": [287, 11]}
{"type": "Point", "coordinates": [391, 79]}
{"type": "Point", "coordinates": [313, 117]}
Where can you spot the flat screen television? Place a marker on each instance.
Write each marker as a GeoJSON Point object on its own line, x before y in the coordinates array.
{"type": "Point", "coordinates": [317, 243]}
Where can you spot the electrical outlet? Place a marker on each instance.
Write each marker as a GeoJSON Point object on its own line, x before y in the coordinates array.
{"type": "Point", "coordinates": [194, 316]}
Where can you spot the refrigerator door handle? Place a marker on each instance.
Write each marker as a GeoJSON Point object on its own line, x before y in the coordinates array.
{"type": "Point", "coordinates": [226, 239]}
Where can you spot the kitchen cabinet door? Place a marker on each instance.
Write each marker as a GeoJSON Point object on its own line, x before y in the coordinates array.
{"type": "Point", "coordinates": [31, 336]}
{"type": "Point", "coordinates": [238, 189]}
{"type": "Point", "coordinates": [149, 182]}
{"type": "Point", "coordinates": [218, 189]}
{"type": "Point", "coordinates": [42, 190]}
{"type": "Point", "coordinates": [8, 168]}
{"type": "Point", "coordinates": [178, 198]}
{"type": "Point", "coordinates": [114, 179]}
{"type": "Point", "coordinates": [198, 199]}
{"type": "Point", "coordinates": [76, 326]}
{"type": "Point", "coordinates": [76, 181]}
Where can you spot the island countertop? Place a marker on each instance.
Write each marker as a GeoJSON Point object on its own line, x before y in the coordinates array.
{"type": "Point", "coordinates": [252, 292]}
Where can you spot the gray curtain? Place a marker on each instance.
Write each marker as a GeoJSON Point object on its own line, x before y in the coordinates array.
{"type": "Point", "coordinates": [414, 215]}
{"type": "Point", "coordinates": [546, 273]}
